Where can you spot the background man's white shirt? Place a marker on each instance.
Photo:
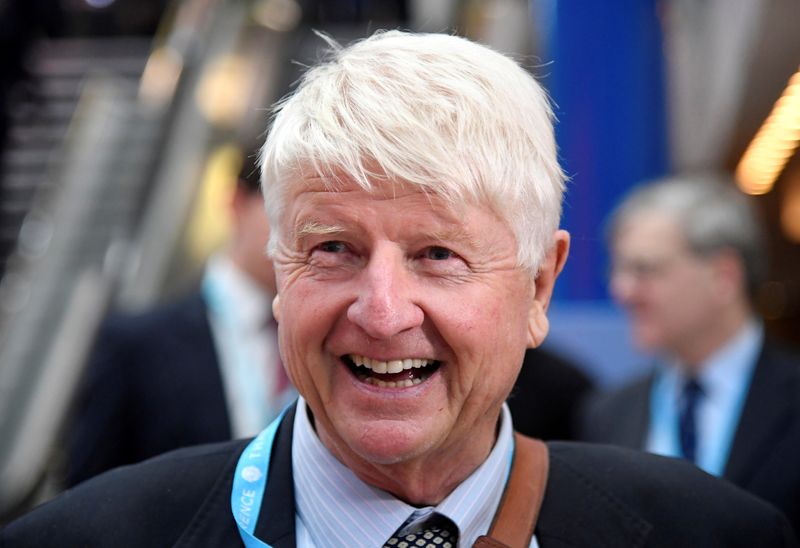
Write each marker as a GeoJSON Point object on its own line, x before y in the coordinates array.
{"type": "Point", "coordinates": [240, 314]}
{"type": "Point", "coordinates": [725, 378]}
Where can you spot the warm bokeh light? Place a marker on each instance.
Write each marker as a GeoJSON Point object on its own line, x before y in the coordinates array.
{"type": "Point", "coordinates": [160, 77]}
{"type": "Point", "coordinates": [277, 15]}
{"type": "Point", "coordinates": [209, 223]}
{"type": "Point", "coordinates": [790, 210]}
{"type": "Point", "coordinates": [222, 94]}
{"type": "Point", "coordinates": [774, 144]}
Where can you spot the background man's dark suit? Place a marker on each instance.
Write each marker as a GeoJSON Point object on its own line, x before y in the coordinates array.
{"type": "Point", "coordinates": [765, 454]}
{"type": "Point", "coordinates": [183, 499]}
{"type": "Point", "coordinates": [546, 396]}
{"type": "Point", "coordinates": [153, 385]}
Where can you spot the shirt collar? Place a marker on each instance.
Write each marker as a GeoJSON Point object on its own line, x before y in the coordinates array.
{"type": "Point", "coordinates": [253, 305]}
{"type": "Point", "coordinates": [721, 371]}
{"type": "Point", "coordinates": [731, 362]}
{"type": "Point", "coordinates": [337, 508]}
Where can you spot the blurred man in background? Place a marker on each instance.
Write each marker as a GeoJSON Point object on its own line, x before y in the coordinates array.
{"type": "Point", "coordinates": [687, 259]}
{"type": "Point", "coordinates": [205, 368]}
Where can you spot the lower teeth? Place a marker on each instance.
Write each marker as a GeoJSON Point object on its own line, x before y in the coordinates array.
{"type": "Point", "coordinates": [406, 383]}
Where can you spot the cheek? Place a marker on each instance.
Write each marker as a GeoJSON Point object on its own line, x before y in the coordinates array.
{"type": "Point", "coordinates": [490, 355]}
{"type": "Point", "coordinates": [304, 323]}
{"type": "Point", "coordinates": [665, 295]}
{"type": "Point", "coordinates": [281, 273]}
{"type": "Point", "coordinates": [304, 312]}
{"type": "Point", "coordinates": [688, 292]}
{"type": "Point", "coordinates": [485, 328]}
{"type": "Point", "coordinates": [292, 343]}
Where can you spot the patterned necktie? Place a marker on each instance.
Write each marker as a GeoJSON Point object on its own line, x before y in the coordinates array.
{"type": "Point", "coordinates": [692, 392]}
{"type": "Point", "coordinates": [437, 531]}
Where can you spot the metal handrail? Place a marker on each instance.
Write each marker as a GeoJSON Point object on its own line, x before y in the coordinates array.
{"type": "Point", "coordinates": [46, 337]}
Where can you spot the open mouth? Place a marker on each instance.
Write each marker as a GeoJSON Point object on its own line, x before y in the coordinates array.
{"type": "Point", "coordinates": [393, 373]}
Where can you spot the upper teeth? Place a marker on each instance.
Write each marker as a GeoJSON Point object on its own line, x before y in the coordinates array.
{"type": "Point", "coordinates": [391, 366]}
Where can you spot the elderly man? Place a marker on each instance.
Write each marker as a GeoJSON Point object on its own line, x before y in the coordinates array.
{"type": "Point", "coordinates": [687, 259]}
{"type": "Point", "coordinates": [415, 193]}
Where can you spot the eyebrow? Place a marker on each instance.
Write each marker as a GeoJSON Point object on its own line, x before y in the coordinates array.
{"type": "Point", "coordinates": [454, 234]}
{"type": "Point", "coordinates": [451, 234]}
{"type": "Point", "coordinates": [315, 228]}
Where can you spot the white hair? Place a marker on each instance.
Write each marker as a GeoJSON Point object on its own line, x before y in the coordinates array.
{"type": "Point", "coordinates": [450, 116]}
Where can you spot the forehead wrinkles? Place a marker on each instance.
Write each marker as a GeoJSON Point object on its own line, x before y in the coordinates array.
{"type": "Point", "coordinates": [322, 194]}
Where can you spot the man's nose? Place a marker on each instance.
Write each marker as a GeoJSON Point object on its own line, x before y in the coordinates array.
{"type": "Point", "coordinates": [385, 303]}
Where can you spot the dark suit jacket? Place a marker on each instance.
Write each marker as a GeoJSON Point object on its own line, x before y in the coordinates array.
{"type": "Point", "coordinates": [152, 385]}
{"type": "Point", "coordinates": [545, 397]}
{"type": "Point", "coordinates": [596, 496]}
{"type": "Point", "coordinates": [765, 455]}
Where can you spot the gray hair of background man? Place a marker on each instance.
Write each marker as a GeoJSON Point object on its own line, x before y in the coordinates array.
{"type": "Point", "coordinates": [713, 214]}
{"type": "Point", "coordinates": [431, 110]}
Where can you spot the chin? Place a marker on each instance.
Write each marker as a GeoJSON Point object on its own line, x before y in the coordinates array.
{"type": "Point", "coordinates": [387, 442]}
{"type": "Point", "coordinates": [643, 341]}
{"type": "Point", "coordinates": [646, 340]}
{"type": "Point", "coordinates": [650, 346]}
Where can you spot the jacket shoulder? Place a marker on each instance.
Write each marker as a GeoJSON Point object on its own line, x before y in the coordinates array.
{"type": "Point", "coordinates": [614, 399]}
{"type": "Point", "coordinates": [625, 495]}
{"type": "Point", "coordinates": [131, 505]}
{"type": "Point", "coordinates": [189, 308]}
{"type": "Point", "coordinates": [783, 358]}
{"type": "Point", "coordinates": [602, 412]}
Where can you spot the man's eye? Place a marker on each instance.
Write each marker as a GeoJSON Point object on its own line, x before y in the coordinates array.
{"type": "Point", "coordinates": [436, 253]}
{"type": "Point", "coordinates": [332, 247]}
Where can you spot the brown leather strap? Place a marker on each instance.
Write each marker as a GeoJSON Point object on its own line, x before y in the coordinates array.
{"type": "Point", "coordinates": [516, 516]}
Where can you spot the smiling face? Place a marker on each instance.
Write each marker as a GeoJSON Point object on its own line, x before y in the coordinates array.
{"type": "Point", "coordinates": [402, 322]}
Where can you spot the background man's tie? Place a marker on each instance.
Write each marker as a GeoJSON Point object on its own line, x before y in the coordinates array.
{"type": "Point", "coordinates": [437, 531]}
{"type": "Point", "coordinates": [692, 392]}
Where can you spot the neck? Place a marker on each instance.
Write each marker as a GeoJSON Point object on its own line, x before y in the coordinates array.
{"type": "Point", "coordinates": [695, 351]}
{"type": "Point", "coordinates": [425, 480]}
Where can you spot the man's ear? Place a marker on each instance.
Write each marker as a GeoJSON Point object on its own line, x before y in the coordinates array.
{"type": "Point", "coordinates": [553, 263]}
{"type": "Point", "coordinates": [238, 200]}
{"type": "Point", "coordinates": [729, 274]}
{"type": "Point", "coordinates": [276, 308]}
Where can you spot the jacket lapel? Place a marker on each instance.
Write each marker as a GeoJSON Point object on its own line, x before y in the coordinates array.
{"type": "Point", "coordinates": [766, 415]}
{"type": "Point", "coordinates": [276, 521]}
{"type": "Point", "coordinates": [621, 417]}
{"type": "Point", "coordinates": [213, 525]}
{"type": "Point", "coordinates": [634, 424]}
